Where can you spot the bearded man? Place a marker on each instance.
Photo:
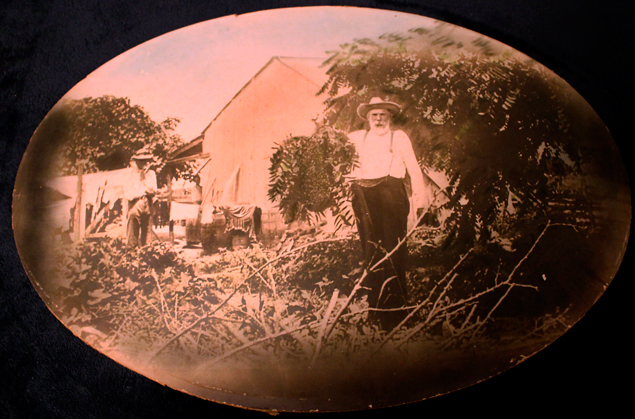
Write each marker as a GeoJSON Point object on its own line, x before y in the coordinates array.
{"type": "Point", "coordinates": [139, 189]}
{"type": "Point", "coordinates": [381, 205]}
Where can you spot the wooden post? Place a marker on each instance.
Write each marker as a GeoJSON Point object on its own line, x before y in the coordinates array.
{"type": "Point", "coordinates": [124, 216]}
{"type": "Point", "coordinates": [170, 222]}
{"type": "Point", "coordinates": [78, 219]}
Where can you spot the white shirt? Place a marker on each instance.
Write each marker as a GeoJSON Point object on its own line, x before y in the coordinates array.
{"type": "Point", "coordinates": [379, 158]}
{"type": "Point", "coordinates": [138, 182]}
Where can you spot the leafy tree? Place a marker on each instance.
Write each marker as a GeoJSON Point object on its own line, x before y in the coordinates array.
{"type": "Point", "coordinates": [497, 123]}
{"type": "Point", "coordinates": [307, 176]}
{"type": "Point", "coordinates": [105, 132]}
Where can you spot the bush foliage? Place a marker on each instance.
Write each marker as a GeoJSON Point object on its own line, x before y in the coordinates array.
{"type": "Point", "coordinates": [307, 176]}
{"type": "Point", "coordinates": [501, 127]}
{"type": "Point", "coordinates": [303, 302]}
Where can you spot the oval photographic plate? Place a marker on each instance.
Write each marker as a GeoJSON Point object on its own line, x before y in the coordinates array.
{"type": "Point", "coordinates": [321, 209]}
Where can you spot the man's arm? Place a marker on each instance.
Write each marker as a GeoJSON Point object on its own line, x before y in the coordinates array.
{"type": "Point", "coordinates": [419, 196]}
{"type": "Point", "coordinates": [150, 182]}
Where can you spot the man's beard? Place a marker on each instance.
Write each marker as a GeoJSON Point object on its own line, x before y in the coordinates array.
{"type": "Point", "coordinates": [380, 129]}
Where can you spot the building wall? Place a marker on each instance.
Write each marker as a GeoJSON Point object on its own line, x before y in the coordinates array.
{"type": "Point", "coordinates": [276, 104]}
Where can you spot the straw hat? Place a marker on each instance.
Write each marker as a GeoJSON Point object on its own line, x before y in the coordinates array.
{"type": "Point", "coordinates": [143, 154]}
{"type": "Point", "coordinates": [377, 103]}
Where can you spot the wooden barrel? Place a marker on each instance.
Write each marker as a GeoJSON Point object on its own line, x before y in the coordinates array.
{"type": "Point", "coordinates": [240, 241]}
{"type": "Point", "coordinates": [192, 231]}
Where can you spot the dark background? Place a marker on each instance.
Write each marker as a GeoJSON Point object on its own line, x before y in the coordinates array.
{"type": "Point", "coordinates": [46, 47]}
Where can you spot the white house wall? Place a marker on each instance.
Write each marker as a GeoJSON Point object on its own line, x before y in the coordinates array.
{"type": "Point", "coordinates": [277, 103]}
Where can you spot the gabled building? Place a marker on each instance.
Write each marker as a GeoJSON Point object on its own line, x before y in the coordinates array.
{"type": "Point", "coordinates": [280, 101]}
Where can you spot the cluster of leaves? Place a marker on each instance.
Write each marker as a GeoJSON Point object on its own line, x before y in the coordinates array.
{"type": "Point", "coordinates": [307, 176]}
{"type": "Point", "coordinates": [112, 285]}
{"type": "Point", "coordinates": [323, 266]}
{"type": "Point", "coordinates": [134, 300]}
{"type": "Point", "coordinates": [287, 289]}
{"type": "Point", "coordinates": [303, 302]}
{"type": "Point", "coordinates": [498, 124]}
{"type": "Point", "coordinates": [104, 132]}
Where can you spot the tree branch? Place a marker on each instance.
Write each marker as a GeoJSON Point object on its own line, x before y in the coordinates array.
{"type": "Point", "coordinates": [253, 343]}
{"type": "Point", "coordinates": [324, 324]}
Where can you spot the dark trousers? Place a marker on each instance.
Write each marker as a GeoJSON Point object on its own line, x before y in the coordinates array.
{"type": "Point", "coordinates": [139, 221]}
{"type": "Point", "coordinates": [381, 210]}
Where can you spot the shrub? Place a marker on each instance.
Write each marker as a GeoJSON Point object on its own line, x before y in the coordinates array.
{"type": "Point", "coordinates": [307, 176]}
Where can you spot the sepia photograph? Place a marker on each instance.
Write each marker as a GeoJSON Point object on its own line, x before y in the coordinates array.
{"type": "Point", "coordinates": [321, 209]}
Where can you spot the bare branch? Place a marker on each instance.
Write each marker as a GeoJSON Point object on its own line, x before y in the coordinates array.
{"type": "Point", "coordinates": [508, 282]}
{"type": "Point", "coordinates": [358, 283]}
{"type": "Point", "coordinates": [164, 310]}
{"type": "Point", "coordinates": [325, 321]}
{"type": "Point", "coordinates": [238, 286]}
{"type": "Point", "coordinates": [489, 315]}
{"type": "Point", "coordinates": [259, 274]}
{"type": "Point", "coordinates": [255, 342]}
{"type": "Point", "coordinates": [427, 300]}
{"type": "Point", "coordinates": [425, 323]}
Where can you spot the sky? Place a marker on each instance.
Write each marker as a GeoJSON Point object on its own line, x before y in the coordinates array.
{"type": "Point", "coordinates": [193, 72]}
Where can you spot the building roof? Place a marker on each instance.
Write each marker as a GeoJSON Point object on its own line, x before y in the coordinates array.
{"type": "Point", "coordinates": [311, 68]}
{"type": "Point", "coordinates": [190, 150]}
{"type": "Point", "coordinates": [307, 67]}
